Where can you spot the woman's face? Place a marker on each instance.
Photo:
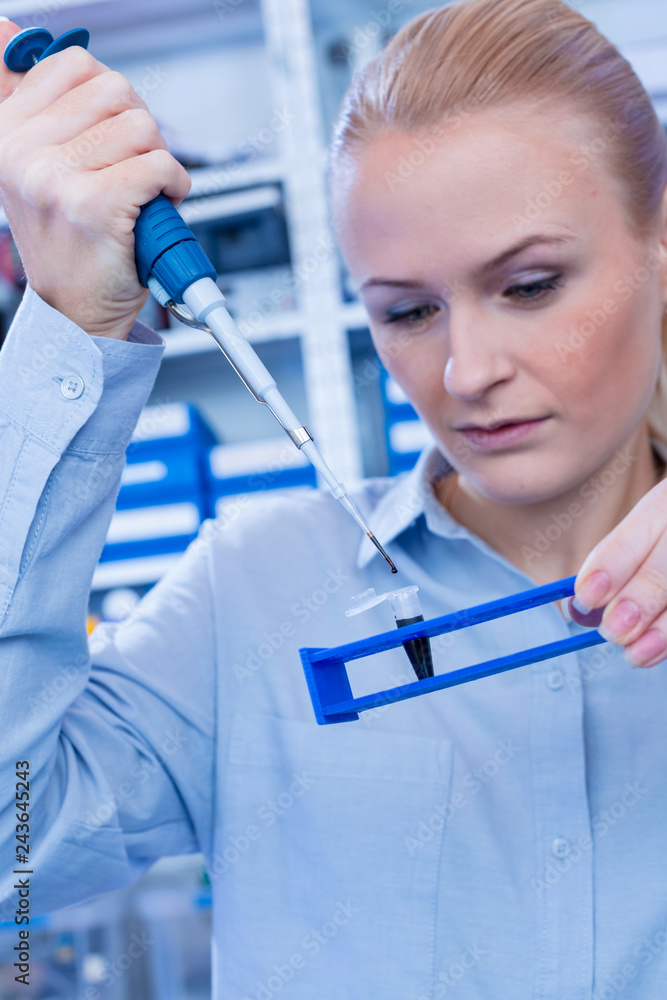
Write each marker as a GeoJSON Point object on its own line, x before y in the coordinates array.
{"type": "Point", "coordinates": [503, 284]}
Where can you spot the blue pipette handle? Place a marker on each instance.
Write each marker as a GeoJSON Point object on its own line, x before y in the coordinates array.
{"type": "Point", "coordinates": [167, 248]}
{"type": "Point", "coordinates": [163, 244]}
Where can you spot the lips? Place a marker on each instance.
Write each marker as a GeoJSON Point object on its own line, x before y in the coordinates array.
{"type": "Point", "coordinates": [497, 426]}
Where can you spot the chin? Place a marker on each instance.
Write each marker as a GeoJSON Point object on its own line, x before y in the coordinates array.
{"type": "Point", "coordinates": [503, 487]}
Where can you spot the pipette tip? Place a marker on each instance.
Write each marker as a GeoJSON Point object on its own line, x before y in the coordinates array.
{"type": "Point", "coordinates": [381, 550]}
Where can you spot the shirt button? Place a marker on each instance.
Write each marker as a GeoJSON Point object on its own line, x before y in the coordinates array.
{"type": "Point", "coordinates": [71, 386]}
{"type": "Point", "coordinates": [555, 680]}
{"type": "Point", "coordinates": [560, 847]}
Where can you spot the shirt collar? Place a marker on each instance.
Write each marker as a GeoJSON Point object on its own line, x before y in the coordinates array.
{"type": "Point", "coordinates": [412, 495]}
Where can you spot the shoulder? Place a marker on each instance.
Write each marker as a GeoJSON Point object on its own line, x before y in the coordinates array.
{"type": "Point", "coordinates": [293, 522]}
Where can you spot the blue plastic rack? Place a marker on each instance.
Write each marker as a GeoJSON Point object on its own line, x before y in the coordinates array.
{"type": "Point", "coordinates": [329, 685]}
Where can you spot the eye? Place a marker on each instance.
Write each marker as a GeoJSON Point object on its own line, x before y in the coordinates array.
{"type": "Point", "coordinates": [414, 315]}
{"type": "Point", "coordinates": [535, 291]}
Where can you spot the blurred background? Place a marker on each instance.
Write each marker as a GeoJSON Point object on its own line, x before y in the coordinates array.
{"type": "Point", "coordinates": [245, 93]}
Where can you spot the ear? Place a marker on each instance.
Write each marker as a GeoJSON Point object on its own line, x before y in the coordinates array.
{"type": "Point", "coordinates": [8, 81]}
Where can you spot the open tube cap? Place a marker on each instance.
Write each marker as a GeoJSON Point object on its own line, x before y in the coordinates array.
{"type": "Point", "coordinates": [404, 602]}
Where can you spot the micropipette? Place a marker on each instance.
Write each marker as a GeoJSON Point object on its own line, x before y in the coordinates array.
{"type": "Point", "coordinates": [172, 264]}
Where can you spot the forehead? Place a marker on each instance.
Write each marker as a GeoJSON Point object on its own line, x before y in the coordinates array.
{"type": "Point", "coordinates": [471, 189]}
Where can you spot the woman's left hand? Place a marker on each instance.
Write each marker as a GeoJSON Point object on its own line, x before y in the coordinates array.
{"type": "Point", "coordinates": [625, 576]}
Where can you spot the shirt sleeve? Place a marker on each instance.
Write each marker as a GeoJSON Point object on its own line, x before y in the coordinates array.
{"type": "Point", "coordinates": [117, 730]}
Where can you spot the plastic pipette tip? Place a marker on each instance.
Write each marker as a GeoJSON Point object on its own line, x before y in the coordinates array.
{"type": "Point", "coordinates": [381, 551]}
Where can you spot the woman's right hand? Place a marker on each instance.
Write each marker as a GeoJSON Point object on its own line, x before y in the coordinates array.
{"type": "Point", "coordinates": [80, 154]}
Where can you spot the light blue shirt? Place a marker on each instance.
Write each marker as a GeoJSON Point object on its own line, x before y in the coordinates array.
{"type": "Point", "coordinates": [501, 839]}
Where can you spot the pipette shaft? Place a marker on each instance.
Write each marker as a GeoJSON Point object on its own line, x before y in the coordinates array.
{"type": "Point", "coordinates": [207, 304]}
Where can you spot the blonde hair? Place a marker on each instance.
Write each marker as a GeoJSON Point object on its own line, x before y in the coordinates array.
{"type": "Point", "coordinates": [451, 60]}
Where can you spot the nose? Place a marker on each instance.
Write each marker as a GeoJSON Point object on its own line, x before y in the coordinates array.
{"type": "Point", "coordinates": [477, 359]}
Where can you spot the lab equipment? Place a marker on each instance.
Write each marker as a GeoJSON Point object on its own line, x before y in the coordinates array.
{"type": "Point", "coordinates": [407, 611]}
{"type": "Point", "coordinates": [172, 264]}
{"type": "Point", "coordinates": [329, 685]}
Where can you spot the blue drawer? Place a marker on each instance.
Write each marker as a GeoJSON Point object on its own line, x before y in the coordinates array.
{"type": "Point", "coordinates": [274, 463]}
{"type": "Point", "coordinates": [397, 406]}
{"type": "Point", "coordinates": [166, 474]}
{"type": "Point", "coordinates": [148, 531]}
{"type": "Point", "coordinates": [406, 439]}
{"type": "Point", "coordinates": [170, 425]}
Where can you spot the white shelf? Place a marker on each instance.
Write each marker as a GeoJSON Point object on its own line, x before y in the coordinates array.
{"type": "Point", "coordinates": [232, 203]}
{"type": "Point", "coordinates": [237, 174]}
{"type": "Point", "coordinates": [354, 315]}
{"type": "Point", "coordinates": [185, 341]}
{"type": "Point", "coordinates": [132, 572]}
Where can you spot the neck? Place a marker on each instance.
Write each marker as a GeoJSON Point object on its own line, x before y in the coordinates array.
{"type": "Point", "coordinates": [551, 539]}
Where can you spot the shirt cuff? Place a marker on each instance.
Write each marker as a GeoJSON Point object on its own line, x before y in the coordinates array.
{"type": "Point", "coordinates": [53, 375]}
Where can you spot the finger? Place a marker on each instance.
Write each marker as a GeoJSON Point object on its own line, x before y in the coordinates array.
{"type": "Point", "coordinates": [614, 560]}
{"type": "Point", "coordinates": [8, 81]}
{"type": "Point", "coordinates": [95, 100]}
{"type": "Point", "coordinates": [48, 81]}
{"type": "Point", "coordinates": [142, 178]}
{"type": "Point", "coordinates": [651, 647]}
{"type": "Point", "coordinates": [128, 134]}
{"type": "Point", "coordinates": [640, 602]}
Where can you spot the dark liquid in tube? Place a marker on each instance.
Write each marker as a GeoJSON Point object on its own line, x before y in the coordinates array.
{"type": "Point", "coordinates": [418, 650]}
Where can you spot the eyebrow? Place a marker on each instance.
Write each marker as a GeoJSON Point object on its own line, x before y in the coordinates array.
{"type": "Point", "coordinates": [491, 265]}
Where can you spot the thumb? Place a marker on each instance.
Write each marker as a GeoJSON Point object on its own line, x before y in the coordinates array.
{"type": "Point", "coordinates": [8, 81]}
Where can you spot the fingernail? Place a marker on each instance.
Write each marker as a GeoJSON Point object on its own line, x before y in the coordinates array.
{"type": "Point", "coordinates": [593, 591]}
{"type": "Point", "coordinates": [590, 620]}
{"type": "Point", "coordinates": [651, 644]}
{"type": "Point", "coordinates": [622, 619]}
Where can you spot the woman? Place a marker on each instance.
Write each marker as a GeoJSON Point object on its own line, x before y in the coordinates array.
{"type": "Point", "coordinates": [498, 189]}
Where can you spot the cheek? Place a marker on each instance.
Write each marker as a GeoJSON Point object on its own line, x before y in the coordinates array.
{"type": "Point", "coordinates": [608, 355]}
{"type": "Point", "coordinates": [415, 364]}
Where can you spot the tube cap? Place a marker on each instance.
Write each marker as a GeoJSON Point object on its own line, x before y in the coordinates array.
{"type": "Point", "coordinates": [404, 602]}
